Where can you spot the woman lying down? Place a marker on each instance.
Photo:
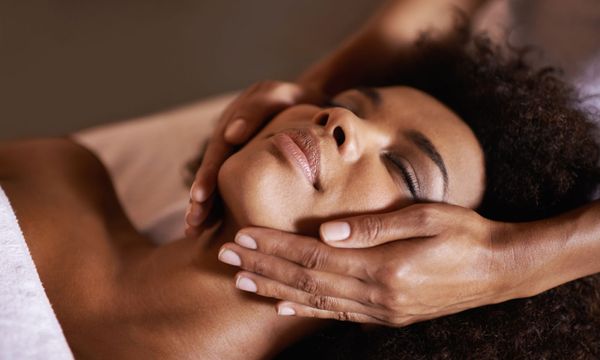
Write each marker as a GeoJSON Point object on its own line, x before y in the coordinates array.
{"type": "Point", "coordinates": [469, 127]}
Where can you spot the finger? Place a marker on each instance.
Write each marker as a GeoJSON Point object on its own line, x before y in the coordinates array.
{"type": "Point", "coordinates": [217, 151]}
{"type": "Point", "coordinates": [309, 252]}
{"type": "Point", "coordinates": [266, 287]}
{"type": "Point", "coordinates": [309, 281]}
{"type": "Point", "coordinates": [219, 148]}
{"type": "Point", "coordinates": [258, 106]}
{"type": "Point", "coordinates": [192, 232]}
{"type": "Point", "coordinates": [415, 221]}
{"type": "Point", "coordinates": [240, 120]}
{"type": "Point", "coordinates": [287, 308]}
{"type": "Point", "coordinates": [198, 212]}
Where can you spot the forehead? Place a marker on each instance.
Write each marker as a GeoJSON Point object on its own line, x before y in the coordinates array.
{"type": "Point", "coordinates": [404, 109]}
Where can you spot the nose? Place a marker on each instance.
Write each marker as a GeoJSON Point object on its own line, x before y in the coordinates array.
{"type": "Point", "coordinates": [342, 125]}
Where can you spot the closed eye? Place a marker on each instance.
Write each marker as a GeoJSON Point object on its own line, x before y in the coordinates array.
{"type": "Point", "coordinates": [334, 103]}
{"type": "Point", "coordinates": [409, 177]}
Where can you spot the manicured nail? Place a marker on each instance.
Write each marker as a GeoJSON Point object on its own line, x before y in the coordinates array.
{"type": "Point", "coordinates": [335, 231]}
{"type": "Point", "coordinates": [245, 241]}
{"type": "Point", "coordinates": [197, 193]}
{"type": "Point", "coordinates": [243, 283]}
{"type": "Point", "coordinates": [235, 130]}
{"type": "Point", "coordinates": [285, 311]}
{"type": "Point", "coordinates": [229, 257]}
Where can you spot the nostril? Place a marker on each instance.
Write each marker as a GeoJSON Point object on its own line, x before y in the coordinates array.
{"type": "Point", "coordinates": [322, 119]}
{"type": "Point", "coordinates": [339, 136]}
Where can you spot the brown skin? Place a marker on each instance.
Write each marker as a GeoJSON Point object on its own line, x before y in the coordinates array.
{"type": "Point", "coordinates": [376, 48]}
{"type": "Point", "coordinates": [528, 258]}
{"type": "Point", "coordinates": [117, 296]}
{"type": "Point", "coordinates": [271, 193]}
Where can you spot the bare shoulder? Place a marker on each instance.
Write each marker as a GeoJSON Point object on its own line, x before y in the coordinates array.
{"type": "Point", "coordinates": [56, 184]}
{"type": "Point", "coordinates": [27, 160]}
{"type": "Point", "coordinates": [73, 224]}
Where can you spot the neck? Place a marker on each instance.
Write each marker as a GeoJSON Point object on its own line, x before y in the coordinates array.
{"type": "Point", "coordinates": [233, 323]}
{"type": "Point", "coordinates": [262, 324]}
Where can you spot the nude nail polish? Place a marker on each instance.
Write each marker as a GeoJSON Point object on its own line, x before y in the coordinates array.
{"type": "Point", "coordinates": [229, 257]}
{"type": "Point", "coordinates": [335, 231]}
{"type": "Point", "coordinates": [285, 311]}
{"type": "Point", "coordinates": [243, 283]}
{"type": "Point", "coordinates": [246, 241]}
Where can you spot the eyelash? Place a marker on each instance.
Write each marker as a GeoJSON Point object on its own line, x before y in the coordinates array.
{"type": "Point", "coordinates": [333, 103]}
{"type": "Point", "coordinates": [409, 177]}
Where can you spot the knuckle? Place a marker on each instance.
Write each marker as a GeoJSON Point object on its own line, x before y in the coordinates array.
{"type": "Point", "coordinates": [321, 302]}
{"type": "Point", "coordinates": [313, 258]}
{"type": "Point", "coordinates": [394, 304]}
{"type": "Point", "coordinates": [427, 216]}
{"type": "Point", "coordinates": [258, 267]}
{"type": "Point", "coordinates": [307, 284]}
{"type": "Point", "coordinates": [375, 298]}
{"type": "Point", "coordinates": [372, 227]}
{"type": "Point", "coordinates": [344, 316]}
{"type": "Point", "coordinates": [392, 276]}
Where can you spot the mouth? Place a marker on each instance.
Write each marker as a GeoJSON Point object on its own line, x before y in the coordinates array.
{"type": "Point", "coordinates": [301, 148]}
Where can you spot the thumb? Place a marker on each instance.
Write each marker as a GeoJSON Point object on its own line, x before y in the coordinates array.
{"type": "Point", "coordinates": [371, 230]}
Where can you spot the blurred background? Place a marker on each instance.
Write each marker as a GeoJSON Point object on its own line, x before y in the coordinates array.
{"type": "Point", "coordinates": [71, 64]}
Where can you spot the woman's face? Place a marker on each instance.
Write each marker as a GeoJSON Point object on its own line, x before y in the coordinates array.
{"type": "Point", "coordinates": [374, 150]}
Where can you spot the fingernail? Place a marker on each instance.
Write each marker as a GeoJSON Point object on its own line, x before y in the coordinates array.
{"type": "Point", "coordinates": [235, 130]}
{"type": "Point", "coordinates": [229, 257]}
{"type": "Point", "coordinates": [245, 241]}
{"type": "Point", "coordinates": [197, 193]}
{"type": "Point", "coordinates": [335, 231]}
{"type": "Point", "coordinates": [285, 311]}
{"type": "Point", "coordinates": [243, 283]}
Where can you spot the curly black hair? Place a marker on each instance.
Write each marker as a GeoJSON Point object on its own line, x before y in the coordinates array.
{"type": "Point", "coordinates": [541, 159]}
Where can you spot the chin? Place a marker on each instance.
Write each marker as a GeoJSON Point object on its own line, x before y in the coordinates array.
{"type": "Point", "coordinates": [256, 191]}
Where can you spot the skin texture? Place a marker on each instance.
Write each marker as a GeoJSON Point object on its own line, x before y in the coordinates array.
{"type": "Point", "coordinates": [354, 137]}
{"type": "Point", "coordinates": [383, 45]}
{"type": "Point", "coordinates": [117, 296]}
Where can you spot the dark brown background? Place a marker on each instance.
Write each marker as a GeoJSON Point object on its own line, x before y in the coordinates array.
{"type": "Point", "coordinates": [69, 64]}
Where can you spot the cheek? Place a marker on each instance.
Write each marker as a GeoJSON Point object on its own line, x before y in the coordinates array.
{"type": "Point", "coordinates": [364, 188]}
{"type": "Point", "coordinates": [260, 190]}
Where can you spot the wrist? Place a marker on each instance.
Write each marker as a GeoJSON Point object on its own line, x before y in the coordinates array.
{"type": "Point", "coordinates": [513, 271]}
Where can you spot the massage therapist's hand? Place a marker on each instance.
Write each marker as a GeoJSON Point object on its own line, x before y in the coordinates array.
{"type": "Point", "coordinates": [418, 263]}
{"type": "Point", "coordinates": [240, 120]}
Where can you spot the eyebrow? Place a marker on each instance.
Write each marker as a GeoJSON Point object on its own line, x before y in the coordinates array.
{"type": "Point", "coordinates": [371, 93]}
{"type": "Point", "coordinates": [417, 137]}
{"type": "Point", "coordinates": [425, 145]}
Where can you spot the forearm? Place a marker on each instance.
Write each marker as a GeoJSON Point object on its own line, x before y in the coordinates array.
{"type": "Point", "coordinates": [551, 252]}
{"type": "Point", "coordinates": [385, 41]}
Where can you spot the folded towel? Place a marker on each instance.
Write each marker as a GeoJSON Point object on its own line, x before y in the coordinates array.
{"type": "Point", "coordinates": [28, 326]}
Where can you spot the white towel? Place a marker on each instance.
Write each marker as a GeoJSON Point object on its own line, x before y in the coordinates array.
{"type": "Point", "coordinates": [28, 326]}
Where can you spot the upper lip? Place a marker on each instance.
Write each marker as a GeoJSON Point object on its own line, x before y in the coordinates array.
{"type": "Point", "coordinates": [308, 143]}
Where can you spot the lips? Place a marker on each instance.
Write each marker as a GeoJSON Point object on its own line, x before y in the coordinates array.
{"type": "Point", "coordinates": [301, 147]}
